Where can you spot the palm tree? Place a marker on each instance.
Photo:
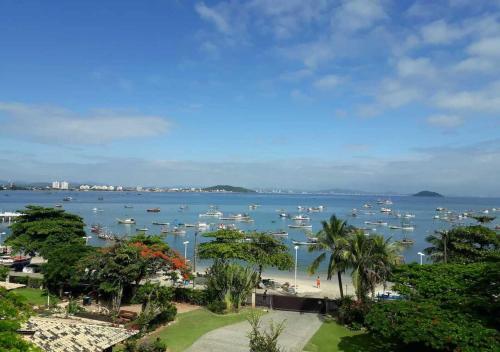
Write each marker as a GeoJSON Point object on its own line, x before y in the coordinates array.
{"type": "Point", "coordinates": [371, 258]}
{"type": "Point", "coordinates": [439, 249]}
{"type": "Point", "coordinates": [332, 239]}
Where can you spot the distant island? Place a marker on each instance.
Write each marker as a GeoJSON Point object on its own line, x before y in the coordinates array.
{"type": "Point", "coordinates": [227, 188]}
{"type": "Point", "coordinates": [427, 194]}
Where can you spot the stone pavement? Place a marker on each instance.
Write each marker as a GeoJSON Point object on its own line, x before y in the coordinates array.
{"type": "Point", "coordinates": [299, 328]}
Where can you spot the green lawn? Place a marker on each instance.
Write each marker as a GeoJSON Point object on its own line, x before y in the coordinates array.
{"type": "Point", "coordinates": [332, 337]}
{"type": "Point", "coordinates": [191, 325]}
{"type": "Point", "coordinates": [35, 296]}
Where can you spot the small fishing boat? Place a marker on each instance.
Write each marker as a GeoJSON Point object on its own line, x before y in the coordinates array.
{"type": "Point", "coordinates": [226, 227]}
{"type": "Point", "coordinates": [407, 228]}
{"type": "Point", "coordinates": [376, 223]}
{"type": "Point", "coordinates": [96, 228]}
{"type": "Point", "coordinates": [367, 205]}
{"type": "Point", "coordinates": [284, 215]}
{"type": "Point", "coordinates": [160, 223]}
{"type": "Point", "coordinates": [144, 229]}
{"type": "Point", "coordinates": [211, 213]}
{"type": "Point", "coordinates": [67, 199]}
{"type": "Point", "coordinates": [153, 210]}
{"type": "Point", "coordinates": [304, 243]}
{"type": "Point", "coordinates": [300, 226]}
{"type": "Point", "coordinates": [301, 217]}
{"type": "Point", "coordinates": [385, 210]}
{"type": "Point", "coordinates": [126, 221]}
{"type": "Point", "coordinates": [203, 226]}
{"type": "Point", "coordinates": [395, 227]}
{"type": "Point", "coordinates": [58, 205]}
{"type": "Point", "coordinates": [278, 233]}
{"type": "Point", "coordinates": [177, 231]}
{"type": "Point", "coordinates": [253, 206]}
{"type": "Point", "coordinates": [128, 206]}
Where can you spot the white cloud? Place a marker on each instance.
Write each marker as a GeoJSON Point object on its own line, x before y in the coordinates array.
{"type": "Point", "coordinates": [213, 16]}
{"type": "Point", "coordinates": [445, 121]}
{"type": "Point", "coordinates": [355, 15]}
{"type": "Point", "coordinates": [297, 94]}
{"type": "Point", "coordinates": [440, 32]}
{"type": "Point", "coordinates": [297, 75]}
{"type": "Point", "coordinates": [408, 67]}
{"type": "Point", "coordinates": [327, 82]}
{"type": "Point", "coordinates": [488, 47]}
{"type": "Point", "coordinates": [486, 100]}
{"type": "Point", "coordinates": [55, 125]}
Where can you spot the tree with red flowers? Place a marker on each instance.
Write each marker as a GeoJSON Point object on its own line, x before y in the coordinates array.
{"type": "Point", "coordinates": [128, 263]}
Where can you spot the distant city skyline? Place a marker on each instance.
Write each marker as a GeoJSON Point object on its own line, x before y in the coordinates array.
{"type": "Point", "coordinates": [377, 96]}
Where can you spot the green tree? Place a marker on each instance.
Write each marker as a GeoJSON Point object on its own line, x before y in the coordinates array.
{"type": "Point", "coordinates": [425, 326]}
{"type": "Point", "coordinates": [154, 300]}
{"type": "Point", "coordinates": [371, 259]}
{"type": "Point", "coordinates": [332, 240]}
{"type": "Point", "coordinates": [464, 245]}
{"type": "Point", "coordinates": [230, 283]}
{"type": "Point", "coordinates": [259, 249]}
{"type": "Point", "coordinates": [129, 262]}
{"type": "Point", "coordinates": [62, 268]}
{"type": "Point", "coordinates": [13, 312]}
{"type": "Point", "coordinates": [40, 230]}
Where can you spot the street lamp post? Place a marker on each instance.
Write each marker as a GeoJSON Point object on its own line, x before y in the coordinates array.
{"type": "Point", "coordinates": [422, 255]}
{"type": "Point", "coordinates": [185, 250]}
{"type": "Point", "coordinates": [194, 257]}
{"type": "Point", "coordinates": [295, 278]}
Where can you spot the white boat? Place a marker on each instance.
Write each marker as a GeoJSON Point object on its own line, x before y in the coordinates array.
{"type": "Point", "coordinates": [408, 228]}
{"type": "Point", "coordinates": [376, 223]}
{"type": "Point", "coordinates": [367, 205]}
{"type": "Point", "coordinates": [300, 226]}
{"type": "Point", "coordinates": [409, 216]}
{"type": "Point", "coordinates": [202, 225]}
{"type": "Point", "coordinates": [176, 231]}
{"type": "Point", "coordinates": [126, 221]}
{"type": "Point", "coordinates": [304, 243]}
{"type": "Point", "coordinates": [144, 229]}
{"type": "Point", "coordinates": [212, 213]}
{"type": "Point", "coordinates": [160, 223]}
{"type": "Point", "coordinates": [395, 227]}
{"type": "Point", "coordinates": [385, 210]}
{"type": "Point", "coordinates": [284, 215]}
{"type": "Point", "coordinates": [301, 217]}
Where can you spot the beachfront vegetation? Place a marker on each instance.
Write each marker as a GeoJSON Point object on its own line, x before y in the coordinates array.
{"type": "Point", "coordinates": [446, 307]}
{"type": "Point", "coordinates": [332, 239]}
{"type": "Point", "coordinates": [464, 245]}
{"type": "Point", "coordinates": [40, 230]}
{"type": "Point", "coordinates": [370, 258]}
{"type": "Point", "coordinates": [228, 285]}
{"type": "Point", "coordinates": [156, 306]}
{"type": "Point", "coordinates": [258, 249]}
{"type": "Point", "coordinates": [13, 312]}
{"type": "Point", "coordinates": [127, 263]}
{"type": "Point", "coordinates": [227, 188]}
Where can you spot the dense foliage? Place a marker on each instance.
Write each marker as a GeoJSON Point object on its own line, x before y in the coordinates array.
{"type": "Point", "coordinates": [230, 284]}
{"type": "Point", "coordinates": [259, 249]}
{"type": "Point", "coordinates": [464, 245]}
{"type": "Point", "coordinates": [155, 303]}
{"type": "Point", "coordinates": [425, 326]}
{"type": "Point", "coordinates": [451, 307]}
{"type": "Point", "coordinates": [13, 311]}
{"type": "Point", "coordinates": [129, 262]}
{"type": "Point", "coordinates": [40, 230]}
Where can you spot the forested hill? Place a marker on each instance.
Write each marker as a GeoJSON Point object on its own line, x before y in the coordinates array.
{"type": "Point", "coordinates": [227, 188]}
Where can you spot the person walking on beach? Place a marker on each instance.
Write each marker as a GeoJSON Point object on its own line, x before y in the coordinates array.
{"type": "Point", "coordinates": [318, 282]}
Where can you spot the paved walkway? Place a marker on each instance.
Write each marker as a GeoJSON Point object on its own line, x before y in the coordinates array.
{"type": "Point", "coordinates": [299, 328]}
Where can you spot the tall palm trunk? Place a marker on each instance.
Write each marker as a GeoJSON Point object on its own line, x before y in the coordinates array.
{"type": "Point", "coordinates": [341, 289]}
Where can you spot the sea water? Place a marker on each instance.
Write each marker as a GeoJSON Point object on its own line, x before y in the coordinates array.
{"type": "Point", "coordinates": [111, 206]}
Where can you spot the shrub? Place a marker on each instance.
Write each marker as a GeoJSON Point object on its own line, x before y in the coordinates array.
{"type": "Point", "coordinates": [165, 316]}
{"type": "Point", "coordinates": [264, 340]}
{"type": "Point", "coordinates": [217, 307]}
{"type": "Point", "coordinates": [189, 295]}
{"type": "Point", "coordinates": [352, 312]}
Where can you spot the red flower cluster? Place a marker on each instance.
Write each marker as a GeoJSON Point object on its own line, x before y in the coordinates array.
{"type": "Point", "coordinates": [157, 252]}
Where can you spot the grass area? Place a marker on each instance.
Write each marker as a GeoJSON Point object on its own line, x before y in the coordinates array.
{"type": "Point", "coordinates": [333, 337]}
{"type": "Point", "coordinates": [35, 296]}
{"type": "Point", "coordinates": [190, 326]}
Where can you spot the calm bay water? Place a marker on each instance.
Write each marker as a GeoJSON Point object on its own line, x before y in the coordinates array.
{"type": "Point", "coordinates": [266, 215]}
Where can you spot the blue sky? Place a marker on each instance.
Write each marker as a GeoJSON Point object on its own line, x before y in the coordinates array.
{"type": "Point", "coordinates": [364, 94]}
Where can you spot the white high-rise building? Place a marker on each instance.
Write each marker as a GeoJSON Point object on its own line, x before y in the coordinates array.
{"type": "Point", "coordinates": [56, 185]}
{"type": "Point", "coordinates": [64, 185]}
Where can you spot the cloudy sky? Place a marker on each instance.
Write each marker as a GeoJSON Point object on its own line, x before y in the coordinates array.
{"type": "Point", "coordinates": [360, 94]}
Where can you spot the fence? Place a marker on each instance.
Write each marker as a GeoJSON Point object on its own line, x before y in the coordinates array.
{"type": "Point", "coordinates": [298, 304]}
